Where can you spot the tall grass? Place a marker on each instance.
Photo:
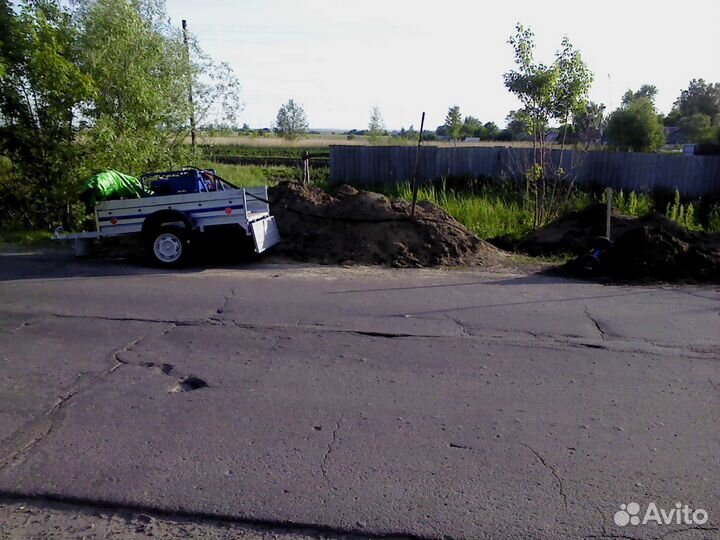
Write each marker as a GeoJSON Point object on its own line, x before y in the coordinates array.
{"type": "Point", "coordinates": [498, 209]}
{"type": "Point", "coordinates": [487, 210]}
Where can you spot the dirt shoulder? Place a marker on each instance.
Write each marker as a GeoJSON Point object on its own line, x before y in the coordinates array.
{"type": "Point", "coordinates": [22, 520]}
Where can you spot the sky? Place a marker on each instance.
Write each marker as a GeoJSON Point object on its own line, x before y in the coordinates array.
{"type": "Point", "coordinates": [340, 58]}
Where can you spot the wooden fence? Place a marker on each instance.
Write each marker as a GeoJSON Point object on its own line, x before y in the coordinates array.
{"type": "Point", "coordinates": [692, 175]}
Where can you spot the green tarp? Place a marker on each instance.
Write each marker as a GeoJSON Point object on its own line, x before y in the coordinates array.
{"type": "Point", "coordinates": [109, 185]}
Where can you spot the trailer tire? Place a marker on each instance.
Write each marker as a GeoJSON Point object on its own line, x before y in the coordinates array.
{"type": "Point", "coordinates": [168, 247]}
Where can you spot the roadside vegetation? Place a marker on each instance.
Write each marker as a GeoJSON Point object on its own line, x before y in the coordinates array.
{"type": "Point", "coordinates": [492, 209]}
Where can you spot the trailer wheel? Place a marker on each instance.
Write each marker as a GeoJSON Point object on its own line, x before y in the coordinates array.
{"type": "Point", "coordinates": [168, 246]}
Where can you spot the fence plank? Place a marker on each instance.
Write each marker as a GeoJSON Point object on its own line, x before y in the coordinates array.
{"type": "Point", "coordinates": [693, 175]}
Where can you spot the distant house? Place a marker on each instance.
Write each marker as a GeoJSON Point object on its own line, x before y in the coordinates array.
{"type": "Point", "coordinates": [471, 139]}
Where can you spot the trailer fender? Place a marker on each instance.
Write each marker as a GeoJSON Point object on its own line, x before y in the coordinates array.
{"type": "Point", "coordinates": [164, 218]}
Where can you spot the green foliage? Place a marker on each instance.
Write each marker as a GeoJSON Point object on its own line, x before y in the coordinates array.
{"type": "Point", "coordinates": [453, 123]}
{"type": "Point", "coordinates": [683, 214]}
{"type": "Point", "coordinates": [632, 204]}
{"type": "Point", "coordinates": [699, 98]}
{"type": "Point", "coordinates": [588, 124]}
{"type": "Point", "coordinates": [24, 237]}
{"type": "Point", "coordinates": [636, 127]}
{"type": "Point", "coordinates": [250, 175]}
{"type": "Point", "coordinates": [712, 136]}
{"type": "Point", "coordinates": [90, 85]}
{"type": "Point", "coordinates": [554, 92]}
{"type": "Point", "coordinates": [41, 91]}
{"type": "Point", "coordinates": [240, 150]}
{"type": "Point", "coordinates": [547, 92]}
{"type": "Point", "coordinates": [487, 211]}
{"type": "Point", "coordinates": [713, 220]}
{"type": "Point", "coordinates": [291, 121]}
{"type": "Point", "coordinates": [518, 125]}
{"type": "Point", "coordinates": [696, 127]}
{"type": "Point", "coordinates": [647, 91]}
{"type": "Point", "coordinates": [376, 127]}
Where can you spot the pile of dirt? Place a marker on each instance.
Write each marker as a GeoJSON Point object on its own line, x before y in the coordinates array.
{"type": "Point", "coordinates": [656, 248]}
{"type": "Point", "coordinates": [652, 248]}
{"type": "Point", "coordinates": [361, 227]}
{"type": "Point", "coordinates": [573, 232]}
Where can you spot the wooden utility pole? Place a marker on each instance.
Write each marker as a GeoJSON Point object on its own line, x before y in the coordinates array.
{"type": "Point", "coordinates": [608, 212]}
{"type": "Point", "coordinates": [193, 139]}
{"type": "Point", "coordinates": [417, 166]}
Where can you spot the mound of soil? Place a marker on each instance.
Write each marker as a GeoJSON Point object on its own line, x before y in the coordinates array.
{"type": "Point", "coordinates": [647, 249]}
{"type": "Point", "coordinates": [361, 227]}
{"type": "Point", "coordinates": [573, 232]}
{"type": "Point", "coordinates": [656, 248]}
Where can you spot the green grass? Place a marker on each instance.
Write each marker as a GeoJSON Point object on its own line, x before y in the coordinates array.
{"type": "Point", "coordinates": [487, 211]}
{"type": "Point", "coordinates": [247, 151]}
{"type": "Point", "coordinates": [28, 238]}
{"type": "Point", "coordinates": [253, 176]}
{"type": "Point", "coordinates": [491, 210]}
{"type": "Point", "coordinates": [250, 175]}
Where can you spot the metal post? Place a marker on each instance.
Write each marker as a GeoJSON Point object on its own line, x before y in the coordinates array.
{"type": "Point", "coordinates": [193, 140]}
{"type": "Point", "coordinates": [306, 168]}
{"type": "Point", "coordinates": [417, 165]}
{"type": "Point", "coordinates": [608, 196]}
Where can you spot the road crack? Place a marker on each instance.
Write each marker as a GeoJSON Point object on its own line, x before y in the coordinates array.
{"type": "Point", "coordinates": [14, 449]}
{"type": "Point", "coordinates": [328, 451]}
{"type": "Point", "coordinates": [603, 334]}
{"type": "Point", "coordinates": [462, 327]}
{"type": "Point", "coordinates": [226, 302]}
{"type": "Point", "coordinates": [548, 466]}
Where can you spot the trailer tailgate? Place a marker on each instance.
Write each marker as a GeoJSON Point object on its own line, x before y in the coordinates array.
{"type": "Point", "coordinates": [265, 233]}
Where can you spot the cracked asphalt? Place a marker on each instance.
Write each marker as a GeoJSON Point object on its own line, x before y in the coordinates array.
{"type": "Point", "coordinates": [281, 401]}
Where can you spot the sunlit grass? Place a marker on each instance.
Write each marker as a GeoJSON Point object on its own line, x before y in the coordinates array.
{"type": "Point", "coordinates": [250, 175]}
{"type": "Point", "coordinates": [25, 237]}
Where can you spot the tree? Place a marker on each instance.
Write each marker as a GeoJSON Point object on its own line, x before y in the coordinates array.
{"type": "Point", "coordinates": [94, 84]}
{"type": "Point", "coordinates": [472, 127]}
{"type": "Point", "coordinates": [695, 127]}
{"type": "Point", "coordinates": [41, 92]}
{"type": "Point", "coordinates": [699, 98]}
{"type": "Point", "coordinates": [491, 131]}
{"type": "Point", "coordinates": [291, 121]}
{"type": "Point", "coordinates": [518, 125]}
{"type": "Point", "coordinates": [547, 92]}
{"type": "Point", "coordinates": [376, 127]}
{"type": "Point", "coordinates": [588, 124]}
{"type": "Point", "coordinates": [647, 91]}
{"type": "Point", "coordinates": [636, 127]}
{"type": "Point", "coordinates": [453, 123]}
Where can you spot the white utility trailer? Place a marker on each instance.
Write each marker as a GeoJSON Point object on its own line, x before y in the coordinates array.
{"type": "Point", "coordinates": [166, 223]}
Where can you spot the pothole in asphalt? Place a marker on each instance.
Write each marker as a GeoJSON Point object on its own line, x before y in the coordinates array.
{"type": "Point", "coordinates": [164, 369]}
{"type": "Point", "coordinates": [188, 384]}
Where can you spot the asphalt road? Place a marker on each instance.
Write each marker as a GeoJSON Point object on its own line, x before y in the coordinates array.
{"type": "Point", "coordinates": [427, 404]}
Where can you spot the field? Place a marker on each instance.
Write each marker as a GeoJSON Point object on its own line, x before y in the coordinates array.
{"type": "Point", "coordinates": [325, 140]}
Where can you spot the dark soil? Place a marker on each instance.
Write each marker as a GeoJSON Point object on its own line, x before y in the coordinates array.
{"type": "Point", "coordinates": [573, 233]}
{"type": "Point", "coordinates": [657, 248]}
{"type": "Point", "coordinates": [362, 227]}
{"type": "Point", "coordinates": [647, 249]}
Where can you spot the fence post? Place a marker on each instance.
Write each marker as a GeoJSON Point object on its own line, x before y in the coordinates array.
{"type": "Point", "coordinates": [417, 164]}
{"type": "Point", "coordinates": [608, 196]}
{"type": "Point", "coordinates": [306, 167]}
